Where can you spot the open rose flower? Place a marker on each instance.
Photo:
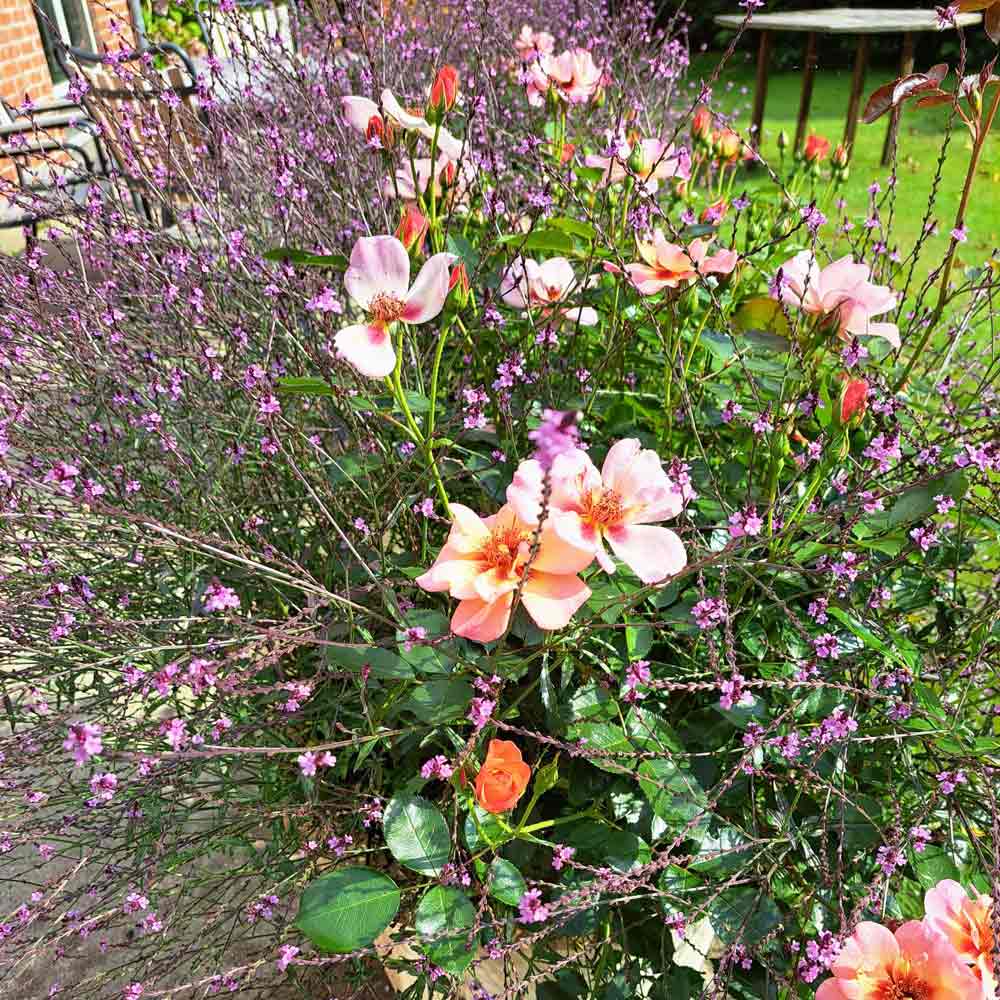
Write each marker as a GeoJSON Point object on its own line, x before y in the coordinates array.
{"type": "Point", "coordinates": [916, 962]}
{"type": "Point", "coordinates": [620, 505]}
{"type": "Point", "coordinates": [503, 777]}
{"type": "Point", "coordinates": [365, 115]}
{"type": "Point", "coordinates": [668, 265]}
{"type": "Point", "coordinates": [483, 563]}
{"type": "Point", "coordinates": [378, 281]}
{"type": "Point", "coordinates": [841, 290]}
{"type": "Point", "coordinates": [545, 286]}
{"type": "Point", "coordinates": [651, 160]}
{"type": "Point", "coordinates": [966, 921]}
{"type": "Point", "coordinates": [573, 76]}
{"type": "Point", "coordinates": [531, 44]}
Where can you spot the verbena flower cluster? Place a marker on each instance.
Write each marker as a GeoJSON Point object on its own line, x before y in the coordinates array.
{"type": "Point", "coordinates": [467, 518]}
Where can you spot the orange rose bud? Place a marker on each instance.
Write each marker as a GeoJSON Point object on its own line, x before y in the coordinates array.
{"type": "Point", "coordinates": [728, 144]}
{"type": "Point", "coordinates": [376, 129]}
{"type": "Point", "coordinates": [840, 156]}
{"type": "Point", "coordinates": [701, 124]}
{"type": "Point", "coordinates": [817, 149]}
{"type": "Point", "coordinates": [459, 277]}
{"type": "Point", "coordinates": [567, 152]}
{"type": "Point", "coordinates": [444, 89]}
{"type": "Point", "coordinates": [853, 401]}
{"type": "Point", "coordinates": [412, 228]}
{"type": "Point", "coordinates": [459, 284]}
{"type": "Point", "coordinates": [503, 777]}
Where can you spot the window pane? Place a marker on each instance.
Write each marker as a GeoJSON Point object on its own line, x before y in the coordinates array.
{"type": "Point", "coordinates": [77, 24]}
{"type": "Point", "coordinates": [48, 25]}
{"type": "Point", "coordinates": [66, 19]}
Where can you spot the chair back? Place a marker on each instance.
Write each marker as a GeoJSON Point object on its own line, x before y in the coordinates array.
{"type": "Point", "coordinates": [149, 120]}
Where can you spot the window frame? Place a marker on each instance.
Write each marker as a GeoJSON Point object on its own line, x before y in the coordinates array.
{"type": "Point", "coordinates": [60, 23]}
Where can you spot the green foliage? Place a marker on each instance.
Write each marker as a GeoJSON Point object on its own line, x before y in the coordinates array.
{"type": "Point", "coordinates": [417, 835]}
{"type": "Point", "coordinates": [347, 909]}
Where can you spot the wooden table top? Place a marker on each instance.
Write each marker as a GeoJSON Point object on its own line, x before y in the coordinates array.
{"type": "Point", "coordinates": [846, 21]}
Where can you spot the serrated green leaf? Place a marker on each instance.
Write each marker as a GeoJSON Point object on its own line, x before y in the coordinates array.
{"type": "Point", "coordinates": [304, 258]}
{"type": "Point", "coordinates": [417, 834]}
{"type": "Point", "coordinates": [347, 909]}
{"type": "Point", "coordinates": [438, 700]}
{"type": "Point", "coordinates": [442, 910]}
{"type": "Point", "coordinates": [506, 882]}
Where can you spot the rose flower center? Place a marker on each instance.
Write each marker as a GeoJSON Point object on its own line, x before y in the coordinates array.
{"type": "Point", "coordinates": [386, 308]}
{"type": "Point", "coordinates": [503, 550]}
{"type": "Point", "coordinates": [904, 987]}
{"type": "Point", "coordinates": [603, 509]}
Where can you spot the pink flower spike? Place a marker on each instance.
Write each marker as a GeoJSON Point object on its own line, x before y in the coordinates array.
{"type": "Point", "coordinates": [378, 280]}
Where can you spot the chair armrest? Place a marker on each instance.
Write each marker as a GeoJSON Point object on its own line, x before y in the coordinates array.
{"type": "Point", "coordinates": [55, 104]}
{"type": "Point", "coordinates": [28, 126]}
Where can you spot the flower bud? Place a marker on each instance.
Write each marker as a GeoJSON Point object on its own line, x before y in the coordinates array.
{"type": "Point", "coordinates": [840, 156]}
{"type": "Point", "coordinates": [458, 284]}
{"type": "Point", "coordinates": [817, 149]}
{"type": "Point", "coordinates": [784, 141]}
{"type": "Point", "coordinates": [853, 402]}
{"type": "Point", "coordinates": [728, 144]}
{"type": "Point", "coordinates": [701, 125]}
{"type": "Point", "coordinates": [412, 228]}
{"type": "Point", "coordinates": [444, 89]}
{"type": "Point", "coordinates": [381, 129]}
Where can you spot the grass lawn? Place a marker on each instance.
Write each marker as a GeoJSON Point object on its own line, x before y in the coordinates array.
{"type": "Point", "coordinates": [921, 135]}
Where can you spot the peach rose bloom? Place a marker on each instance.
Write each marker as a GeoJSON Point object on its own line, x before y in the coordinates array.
{"type": "Point", "coordinates": [531, 44]}
{"type": "Point", "coordinates": [503, 777]}
{"type": "Point", "coordinates": [573, 75]}
{"type": "Point", "coordinates": [965, 922]}
{"type": "Point", "coordinates": [841, 290]}
{"type": "Point", "coordinates": [667, 265]}
{"type": "Point", "coordinates": [619, 504]}
{"type": "Point", "coordinates": [483, 563]}
{"type": "Point", "coordinates": [546, 286]}
{"type": "Point", "coordinates": [916, 962]}
{"type": "Point", "coordinates": [651, 160]}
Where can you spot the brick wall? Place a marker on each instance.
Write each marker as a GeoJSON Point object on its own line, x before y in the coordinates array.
{"type": "Point", "coordinates": [23, 69]}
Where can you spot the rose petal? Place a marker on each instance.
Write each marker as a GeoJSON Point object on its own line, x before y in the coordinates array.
{"type": "Point", "coordinates": [481, 622]}
{"type": "Point", "coordinates": [379, 266]}
{"type": "Point", "coordinates": [368, 348]}
{"type": "Point", "coordinates": [653, 553]}
{"type": "Point", "coordinates": [552, 600]}
{"type": "Point", "coordinates": [394, 109]}
{"type": "Point", "coordinates": [426, 298]}
{"type": "Point", "coordinates": [359, 111]}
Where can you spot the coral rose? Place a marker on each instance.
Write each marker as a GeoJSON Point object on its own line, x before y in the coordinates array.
{"type": "Point", "coordinates": [967, 924]}
{"type": "Point", "coordinates": [916, 962]}
{"type": "Point", "coordinates": [503, 777]}
{"type": "Point", "coordinates": [486, 560]}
